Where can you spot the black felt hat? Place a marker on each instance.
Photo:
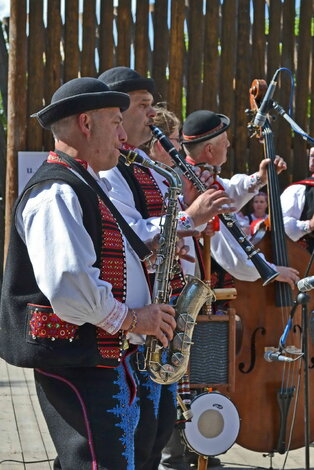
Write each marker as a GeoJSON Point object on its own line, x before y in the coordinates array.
{"type": "Point", "coordinates": [125, 79]}
{"type": "Point", "coordinates": [79, 95]}
{"type": "Point", "coordinates": [203, 125]}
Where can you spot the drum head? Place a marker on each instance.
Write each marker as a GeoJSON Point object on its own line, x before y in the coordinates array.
{"type": "Point", "coordinates": [214, 426]}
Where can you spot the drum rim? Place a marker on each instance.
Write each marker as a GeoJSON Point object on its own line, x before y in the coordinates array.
{"type": "Point", "coordinates": [236, 415]}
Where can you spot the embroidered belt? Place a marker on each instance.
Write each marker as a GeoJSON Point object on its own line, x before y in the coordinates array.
{"type": "Point", "coordinates": [45, 324]}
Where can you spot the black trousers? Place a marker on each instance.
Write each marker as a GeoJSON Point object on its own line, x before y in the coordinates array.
{"type": "Point", "coordinates": [92, 415]}
{"type": "Point", "coordinates": [106, 419]}
{"type": "Point", "coordinates": [158, 415]}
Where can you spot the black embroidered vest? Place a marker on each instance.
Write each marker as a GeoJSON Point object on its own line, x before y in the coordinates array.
{"type": "Point", "coordinates": [31, 334]}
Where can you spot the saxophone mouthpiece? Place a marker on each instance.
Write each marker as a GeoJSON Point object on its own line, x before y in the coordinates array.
{"type": "Point", "coordinates": [130, 156]}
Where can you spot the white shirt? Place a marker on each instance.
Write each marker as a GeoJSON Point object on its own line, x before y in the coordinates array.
{"type": "Point", "coordinates": [224, 248]}
{"type": "Point", "coordinates": [49, 220]}
{"type": "Point", "coordinates": [292, 203]}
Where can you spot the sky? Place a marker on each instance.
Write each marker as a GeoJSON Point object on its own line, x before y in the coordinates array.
{"type": "Point", "coordinates": [4, 8]}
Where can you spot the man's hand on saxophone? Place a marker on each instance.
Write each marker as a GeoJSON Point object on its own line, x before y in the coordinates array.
{"type": "Point", "coordinates": [154, 320]}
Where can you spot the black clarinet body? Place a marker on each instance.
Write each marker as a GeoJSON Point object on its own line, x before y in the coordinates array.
{"type": "Point", "coordinates": [266, 272]}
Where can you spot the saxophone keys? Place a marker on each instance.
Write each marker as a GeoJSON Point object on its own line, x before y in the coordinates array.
{"type": "Point", "coordinates": [181, 341]}
{"type": "Point", "coordinates": [166, 371]}
{"type": "Point", "coordinates": [177, 359]}
{"type": "Point", "coordinates": [184, 320]}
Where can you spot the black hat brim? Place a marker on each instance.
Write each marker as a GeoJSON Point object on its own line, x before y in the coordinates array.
{"type": "Point", "coordinates": [80, 103]}
{"type": "Point", "coordinates": [226, 124]}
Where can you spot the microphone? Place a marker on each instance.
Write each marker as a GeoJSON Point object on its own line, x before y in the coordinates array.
{"type": "Point", "coordinates": [273, 356]}
{"type": "Point", "coordinates": [260, 117]}
{"type": "Point", "coordinates": [305, 284]}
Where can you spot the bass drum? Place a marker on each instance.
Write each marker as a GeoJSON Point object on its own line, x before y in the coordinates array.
{"type": "Point", "coordinates": [214, 426]}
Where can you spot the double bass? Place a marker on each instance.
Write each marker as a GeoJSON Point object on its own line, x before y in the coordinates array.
{"type": "Point", "coordinates": [269, 396]}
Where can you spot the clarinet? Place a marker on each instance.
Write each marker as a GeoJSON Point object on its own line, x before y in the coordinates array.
{"type": "Point", "coordinates": [266, 273]}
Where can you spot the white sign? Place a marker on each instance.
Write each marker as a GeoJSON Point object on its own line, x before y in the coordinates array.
{"type": "Point", "coordinates": [28, 163]}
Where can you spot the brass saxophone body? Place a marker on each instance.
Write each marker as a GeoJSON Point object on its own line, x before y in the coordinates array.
{"type": "Point", "coordinates": [168, 365]}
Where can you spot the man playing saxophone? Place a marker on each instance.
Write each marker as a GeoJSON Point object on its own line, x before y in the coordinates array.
{"type": "Point", "coordinates": [142, 209]}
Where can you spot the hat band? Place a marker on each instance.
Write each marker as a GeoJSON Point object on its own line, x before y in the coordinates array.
{"type": "Point", "coordinates": [212, 131]}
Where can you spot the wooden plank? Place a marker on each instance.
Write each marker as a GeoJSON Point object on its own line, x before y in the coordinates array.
{"type": "Point", "coordinates": [211, 56]}
{"type": "Point", "coordinates": [3, 69]}
{"type": "Point", "coordinates": [88, 67]}
{"type": "Point", "coordinates": [35, 76]}
{"type": "Point", "coordinates": [257, 70]}
{"type": "Point", "coordinates": [273, 37]}
{"type": "Point", "coordinates": [41, 423]}
{"type": "Point", "coordinates": [16, 139]}
{"type": "Point", "coordinates": [53, 66]}
{"type": "Point", "coordinates": [227, 77]}
{"type": "Point", "coordinates": [106, 44]}
{"type": "Point", "coordinates": [283, 137]}
{"type": "Point", "coordinates": [10, 444]}
{"type": "Point", "coordinates": [242, 87]}
{"type": "Point", "coordinates": [302, 87]}
{"type": "Point", "coordinates": [161, 49]}
{"type": "Point", "coordinates": [258, 40]}
{"type": "Point", "coordinates": [124, 23]}
{"type": "Point", "coordinates": [33, 449]}
{"type": "Point", "coordinates": [71, 36]}
{"type": "Point", "coordinates": [194, 71]}
{"type": "Point", "coordinates": [141, 37]}
{"type": "Point", "coordinates": [176, 57]}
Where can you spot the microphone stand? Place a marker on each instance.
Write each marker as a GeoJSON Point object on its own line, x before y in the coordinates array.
{"type": "Point", "coordinates": [303, 299]}
{"type": "Point", "coordinates": [293, 124]}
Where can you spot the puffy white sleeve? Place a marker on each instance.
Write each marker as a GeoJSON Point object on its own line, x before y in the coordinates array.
{"type": "Point", "coordinates": [49, 220]}
{"type": "Point", "coordinates": [239, 188]}
{"type": "Point", "coordinates": [292, 203]}
{"type": "Point", "coordinates": [231, 257]}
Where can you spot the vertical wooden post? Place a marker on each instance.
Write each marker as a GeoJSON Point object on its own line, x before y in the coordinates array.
{"type": "Point", "coordinates": [211, 57]}
{"type": "Point", "coordinates": [16, 105]}
{"type": "Point", "coordinates": [124, 27]}
{"type": "Point", "coordinates": [141, 37]}
{"type": "Point", "coordinates": [106, 43]}
{"type": "Point", "coordinates": [35, 75]}
{"type": "Point", "coordinates": [176, 57]}
{"type": "Point", "coordinates": [161, 49]}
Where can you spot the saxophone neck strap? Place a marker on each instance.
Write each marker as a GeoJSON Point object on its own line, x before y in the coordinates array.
{"type": "Point", "coordinates": [136, 243]}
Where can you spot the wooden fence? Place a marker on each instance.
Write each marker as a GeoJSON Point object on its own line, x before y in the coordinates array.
{"type": "Point", "coordinates": [202, 54]}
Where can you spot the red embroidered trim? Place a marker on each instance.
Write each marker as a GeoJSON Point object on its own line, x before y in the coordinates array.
{"type": "Point", "coordinates": [212, 131]}
{"type": "Point", "coordinates": [306, 182]}
{"type": "Point", "coordinates": [112, 265]}
{"type": "Point", "coordinates": [112, 270]}
{"type": "Point", "coordinates": [45, 324]}
{"type": "Point", "coordinates": [153, 197]}
{"type": "Point", "coordinates": [54, 158]}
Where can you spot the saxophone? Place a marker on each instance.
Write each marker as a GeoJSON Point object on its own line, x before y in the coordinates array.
{"type": "Point", "coordinates": [168, 365]}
